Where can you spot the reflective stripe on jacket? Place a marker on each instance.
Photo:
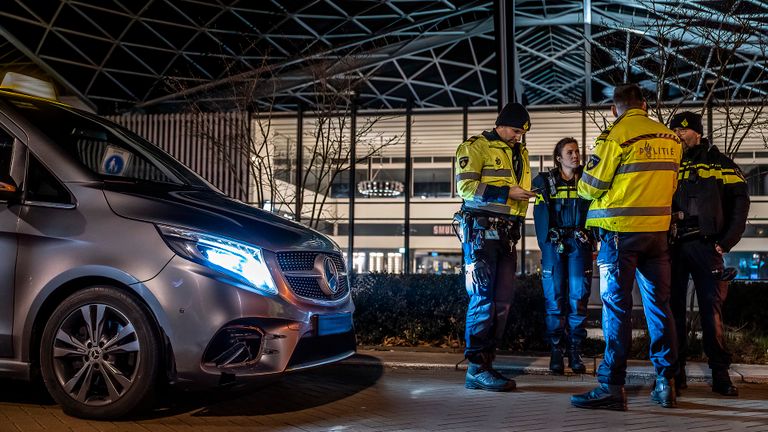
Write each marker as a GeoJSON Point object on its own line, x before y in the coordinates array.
{"type": "Point", "coordinates": [632, 175]}
{"type": "Point", "coordinates": [485, 171]}
{"type": "Point", "coordinates": [564, 209]}
{"type": "Point", "coordinates": [712, 194]}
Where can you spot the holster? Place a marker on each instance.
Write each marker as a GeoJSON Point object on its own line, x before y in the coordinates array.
{"type": "Point", "coordinates": [473, 228]}
{"type": "Point", "coordinates": [673, 235]}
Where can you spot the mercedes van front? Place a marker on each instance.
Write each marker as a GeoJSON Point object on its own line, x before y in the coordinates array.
{"type": "Point", "coordinates": [122, 269]}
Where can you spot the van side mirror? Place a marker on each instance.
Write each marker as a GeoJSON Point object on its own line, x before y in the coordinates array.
{"type": "Point", "coordinates": [8, 190]}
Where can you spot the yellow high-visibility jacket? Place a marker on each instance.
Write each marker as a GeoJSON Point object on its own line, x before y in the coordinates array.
{"type": "Point", "coordinates": [484, 173]}
{"type": "Point", "coordinates": [632, 175]}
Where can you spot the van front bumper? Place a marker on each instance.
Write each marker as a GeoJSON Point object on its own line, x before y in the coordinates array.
{"type": "Point", "coordinates": [219, 332]}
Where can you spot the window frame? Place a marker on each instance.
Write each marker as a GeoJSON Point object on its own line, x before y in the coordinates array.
{"type": "Point", "coordinates": [49, 204]}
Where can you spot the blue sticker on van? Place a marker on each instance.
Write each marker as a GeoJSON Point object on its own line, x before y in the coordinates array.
{"type": "Point", "coordinates": [114, 165]}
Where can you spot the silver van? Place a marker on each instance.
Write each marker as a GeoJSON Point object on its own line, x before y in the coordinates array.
{"type": "Point", "coordinates": [123, 270]}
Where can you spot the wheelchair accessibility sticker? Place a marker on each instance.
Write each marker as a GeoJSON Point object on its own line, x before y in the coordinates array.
{"type": "Point", "coordinates": [115, 161]}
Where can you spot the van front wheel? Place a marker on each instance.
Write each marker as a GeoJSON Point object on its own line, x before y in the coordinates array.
{"type": "Point", "coordinates": [99, 354]}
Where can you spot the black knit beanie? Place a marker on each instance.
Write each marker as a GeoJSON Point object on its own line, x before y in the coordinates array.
{"type": "Point", "coordinates": [514, 115]}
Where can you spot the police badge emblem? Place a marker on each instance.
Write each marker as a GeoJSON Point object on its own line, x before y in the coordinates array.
{"type": "Point", "coordinates": [463, 161]}
{"type": "Point", "coordinates": [498, 161]}
{"type": "Point", "coordinates": [593, 161]}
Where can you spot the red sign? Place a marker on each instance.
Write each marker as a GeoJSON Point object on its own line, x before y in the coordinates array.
{"type": "Point", "coordinates": [442, 230]}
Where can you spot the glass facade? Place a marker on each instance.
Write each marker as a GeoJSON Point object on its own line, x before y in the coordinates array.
{"type": "Point", "coordinates": [380, 224]}
{"type": "Point", "coordinates": [433, 262]}
{"type": "Point", "coordinates": [432, 182]}
{"type": "Point", "coordinates": [750, 265]}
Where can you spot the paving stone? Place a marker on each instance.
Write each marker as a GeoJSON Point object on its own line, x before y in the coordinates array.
{"type": "Point", "coordinates": [382, 395]}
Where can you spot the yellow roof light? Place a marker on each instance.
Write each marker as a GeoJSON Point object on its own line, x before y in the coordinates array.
{"type": "Point", "coordinates": [28, 85]}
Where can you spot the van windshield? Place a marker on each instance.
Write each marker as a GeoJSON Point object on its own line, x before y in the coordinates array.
{"type": "Point", "coordinates": [108, 150]}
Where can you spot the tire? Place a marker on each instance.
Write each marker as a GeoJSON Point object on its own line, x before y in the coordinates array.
{"type": "Point", "coordinates": [99, 354]}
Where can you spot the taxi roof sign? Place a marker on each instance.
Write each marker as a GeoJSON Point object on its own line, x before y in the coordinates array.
{"type": "Point", "coordinates": [26, 84]}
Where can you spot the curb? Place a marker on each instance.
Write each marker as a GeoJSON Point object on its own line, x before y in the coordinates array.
{"type": "Point", "coordinates": [368, 360]}
{"type": "Point", "coordinates": [504, 368]}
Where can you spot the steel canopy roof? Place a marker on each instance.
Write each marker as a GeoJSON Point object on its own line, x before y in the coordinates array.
{"type": "Point", "coordinates": [157, 55]}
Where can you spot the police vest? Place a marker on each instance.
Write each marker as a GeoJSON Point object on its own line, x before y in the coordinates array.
{"type": "Point", "coordinates": [557, 204]}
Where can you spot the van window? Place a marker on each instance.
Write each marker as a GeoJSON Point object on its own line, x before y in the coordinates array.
{"type": "Point", "coordinates": [42, 186]}
{"type": "Point", "coordinates": [108, 150]}
{"type": "Point", "coordinates": [109, 157]}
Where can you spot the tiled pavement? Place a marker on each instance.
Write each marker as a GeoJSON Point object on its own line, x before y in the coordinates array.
{"type": "Point", "coordinates": [392, 391]}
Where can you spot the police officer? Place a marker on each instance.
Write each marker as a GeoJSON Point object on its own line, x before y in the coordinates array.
{"type": "Point", "coordinates": [493, 177]}
{"type": "Point", "coordinates": [631, 178]}
{"type": "Point", "coordinates": [566, 254]}
{"type": "Point", "coordinates": [712, 196]}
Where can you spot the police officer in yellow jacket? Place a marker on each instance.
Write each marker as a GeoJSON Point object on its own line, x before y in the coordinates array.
{"type": "Point", "coordinates": [630, 179]}
{"type": "Point", "coordinates": [493, 177]}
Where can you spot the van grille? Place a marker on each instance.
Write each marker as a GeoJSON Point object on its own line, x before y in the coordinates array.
{"type": "Point", "coordinates": [299, 271]}
{"type": "Point", "coordinates": [309, 287]}
{"type": "Point", "coordinates": [305, 261]}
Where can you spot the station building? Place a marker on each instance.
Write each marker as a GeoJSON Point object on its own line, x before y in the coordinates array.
{"type": "Point", "coordinates": [382, 213]}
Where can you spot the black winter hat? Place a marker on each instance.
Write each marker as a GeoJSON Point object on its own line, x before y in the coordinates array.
{"type": "Point", "coordinates": [687, 120]}
{"type": "Point", "coordinates": [514, 115]}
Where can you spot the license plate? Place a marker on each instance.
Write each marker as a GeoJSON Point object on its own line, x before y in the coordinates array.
{"type": "Point", "coordinates": [333, 324]}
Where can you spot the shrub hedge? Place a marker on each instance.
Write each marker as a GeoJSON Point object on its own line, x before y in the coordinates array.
{"type": "Point", "coordinates": [412, 310]}
{"type": "Point", "coordinates": [746, 306]}
{"type": "Point", "coordinates": [393, 309]}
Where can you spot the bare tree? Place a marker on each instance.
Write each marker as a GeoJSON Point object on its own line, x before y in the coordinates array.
{"type": "Point", "coordinates": [270, 156]}
{"type": "Point", "coordinates": [695, 54]}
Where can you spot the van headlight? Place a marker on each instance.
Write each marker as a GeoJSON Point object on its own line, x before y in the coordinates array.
{"type": "Point", "coordinates": [239, 260]}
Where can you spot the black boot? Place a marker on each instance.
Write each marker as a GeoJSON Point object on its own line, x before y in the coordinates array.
{"type": "Point", "coordinates": [574, 359]}
{"type": "Point", "coordinates": [556, 362]}
{"type": "Point", "coordinates": [681, 380]}
{"type": "Point", "coordinates": [721, 383]}
{"type": "Point", "coordinates": [604, 396]}
{"type": "Point", "coordinates": [664, 392]}
{"type": "Point", "coordinates": [484, 377]}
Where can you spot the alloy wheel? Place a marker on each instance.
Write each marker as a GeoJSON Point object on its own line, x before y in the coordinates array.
{"type": "Point", "coordinates": [96, 354]}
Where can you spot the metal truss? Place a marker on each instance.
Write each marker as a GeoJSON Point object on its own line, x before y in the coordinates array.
{"type": "Point", "coordinates": [160, 55]}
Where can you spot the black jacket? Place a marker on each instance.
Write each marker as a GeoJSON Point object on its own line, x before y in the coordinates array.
{"type": "Point", "coordinates": [712, 194]}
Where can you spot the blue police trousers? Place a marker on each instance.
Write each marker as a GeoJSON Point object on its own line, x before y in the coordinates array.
{"type": "Point", "coordinates": [699, 259]}
{"type": "Point", "coordinates": [566, 279]}
{"type": "Point", "coordinates": [489, 300]}
{"type": "Point", "coordinates": [622, 257]}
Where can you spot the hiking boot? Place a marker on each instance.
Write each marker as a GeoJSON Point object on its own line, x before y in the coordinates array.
{"type": "Point", "coordinates": [480, 377]}
{"type": "Point", "coordinates": [664, 392]}
{"type": "Point", "coordinates": [574, 360]}
{"type": "Point", "coordinates": [604, 396]}
{"type": "Point", "coordinates": [556, 362]}
{"type": "Point", "coordinates": [721, 383]}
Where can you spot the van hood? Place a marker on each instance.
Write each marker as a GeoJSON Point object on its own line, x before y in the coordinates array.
{"type": "Point", "coordinates": [214, 213]}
